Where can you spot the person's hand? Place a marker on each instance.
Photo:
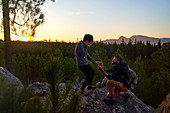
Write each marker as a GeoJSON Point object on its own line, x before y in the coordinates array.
{"type": "Point", "coordinates": [100, 67]}
{"type": "Point", "coordinates": [99, 63]}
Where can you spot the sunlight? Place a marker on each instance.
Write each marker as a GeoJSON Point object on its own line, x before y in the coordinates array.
{"type": "Point", "coordinates": [18, 38]}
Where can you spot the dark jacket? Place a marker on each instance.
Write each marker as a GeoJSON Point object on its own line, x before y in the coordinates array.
{"type": "Point", "coordinates": [119, 74]}
{"type": "Point", "coordinates": [82, 54]}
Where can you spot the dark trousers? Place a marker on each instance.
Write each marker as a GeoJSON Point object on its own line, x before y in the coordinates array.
{"type": "Point", "coordinates": [89, 73]}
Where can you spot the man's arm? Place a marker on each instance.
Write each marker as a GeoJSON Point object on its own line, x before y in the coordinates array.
{"type": "Point", "coordinates": [89, 58]}
{"type": "Point", "coordinates": [104, 72]}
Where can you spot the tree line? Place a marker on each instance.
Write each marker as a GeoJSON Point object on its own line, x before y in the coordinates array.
{"type": "Point", "coordinates": [31, 59]}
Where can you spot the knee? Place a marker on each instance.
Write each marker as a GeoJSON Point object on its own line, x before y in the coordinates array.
{"type": "Point", "coordinates": [108, 82]}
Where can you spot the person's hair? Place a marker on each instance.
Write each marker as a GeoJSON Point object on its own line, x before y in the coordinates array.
{"type": "Point", "coordinates": [88, 37]}
{"type": "Point", "coordinates": [119, 58]}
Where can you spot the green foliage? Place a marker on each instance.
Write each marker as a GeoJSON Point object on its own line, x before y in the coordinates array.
{"type": "Point", "coordinates": [32, 59]}
{"type": "Point", "coordinates": [142, 90]}
{"type": "Point", "coordinates": [14, 100]}
{"type": "Point", "coordinates": [69, 69]}
{"type": "Point", "coordinates": [154, 76]}
{"type": "Point", "coordinates": [74, 103]}
{"type": "Point", "coordinates": [32, 67]}
{"type": "Point", "coordinates": [160, 70]}
{"type": "Point", "coordinates": [60, 100]}
{"type": "Point", "coordinates": [33, 105]}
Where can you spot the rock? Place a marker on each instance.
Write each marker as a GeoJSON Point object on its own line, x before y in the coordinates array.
{"type": "Point", "coordinates": [76, 81]}
{"type": "Point", "coordinates": [164, 107]}
{"type": "Point", "coordinates": [10, 77]}
{"type": "Point", "coordinates": [39, 88]}
{"type": "Point", "coordinates": [104, 81]}
{"type": "Point", "coordinates": [62, 86]}
{"type": "Point", "coordinates": [94, 102]}
{"type": "Point", "coordinates": [42, 88]}
{"type": "Point", "coordinates": [97, 84]}
{"type": "Point", "coordinates": [82, 81]}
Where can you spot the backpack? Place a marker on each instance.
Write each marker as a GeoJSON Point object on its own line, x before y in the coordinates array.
{"type": "Point", "coordinates": [133, 77]}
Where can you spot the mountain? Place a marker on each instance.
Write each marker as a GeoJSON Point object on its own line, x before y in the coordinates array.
{"type": "Point", "coordinates": [138, 38]}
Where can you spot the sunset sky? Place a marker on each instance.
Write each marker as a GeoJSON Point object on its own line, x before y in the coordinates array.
{"type": "Point", "coordinates": [105, 19]}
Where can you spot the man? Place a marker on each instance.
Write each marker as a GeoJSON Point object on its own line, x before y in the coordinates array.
{"type": "Point", "coordinates": [118, 81]}
{"type": "Point", "coordinates": [81, 58]}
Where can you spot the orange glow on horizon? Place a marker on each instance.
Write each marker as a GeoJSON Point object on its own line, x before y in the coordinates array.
{"type": "Point", "coordinates": [18, 38]}
{"type": "Point", "coordinates": [36, 39]}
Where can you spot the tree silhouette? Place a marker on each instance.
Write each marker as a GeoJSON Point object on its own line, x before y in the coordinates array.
{"type": "Point", "coordinates": [7, 39]}
{"type": "Point", "coordinates": [25, 17]}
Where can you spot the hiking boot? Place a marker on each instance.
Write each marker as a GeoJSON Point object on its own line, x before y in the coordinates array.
{"type": "Point", "coordinates": [126, 97]}
{"type": "Point", "coordinates": [108, 101]}
{"type": "Point", "coordinates": [91, 87]}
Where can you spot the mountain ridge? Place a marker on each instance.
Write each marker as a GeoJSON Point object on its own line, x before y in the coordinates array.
{"type": "Point", "coordinates": [137, 38]}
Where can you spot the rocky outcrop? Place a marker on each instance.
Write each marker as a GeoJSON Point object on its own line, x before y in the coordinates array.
{"type": "Point", "coordinates": [10, 77]}
{"type": "Point", "coordinates": [93, 103]}
{"type": "Point", "coordinates": [92, 100]}
{"type": "Point", "coordinates": [164, 107]}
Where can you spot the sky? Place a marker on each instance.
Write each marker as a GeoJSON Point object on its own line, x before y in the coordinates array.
{"type": "Point", "coordinates": [70, 20]}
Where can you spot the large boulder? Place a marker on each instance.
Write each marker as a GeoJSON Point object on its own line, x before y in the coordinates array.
{"type": "Point", "coordinates": [93, 103]}
{"type": "Point", "coordinates": [10, 77]}
{"type": "Point", "coordinates": [164, 107]}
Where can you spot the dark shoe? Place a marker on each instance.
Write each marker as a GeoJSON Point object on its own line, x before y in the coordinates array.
{"type": "Point", "coordinates": [126, 97]}
{"type": "Point", "coordinates": [109, 97]}
{"type": "Point", "coordinates": [108, 101]}
{"type": "Point", "coordinates": [91, 87]}
{"type": "Point", "coordinates": [83, 93]}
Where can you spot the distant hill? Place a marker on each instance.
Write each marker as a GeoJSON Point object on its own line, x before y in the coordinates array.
{"type": "Point", "coordinates": [138, 38]}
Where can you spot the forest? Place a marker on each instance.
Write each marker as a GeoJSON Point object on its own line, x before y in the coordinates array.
{"type": "Point", "coordinates": [150, 62]}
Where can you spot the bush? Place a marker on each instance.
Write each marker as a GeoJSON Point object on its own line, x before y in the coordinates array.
{"type": "Point", "coordinates": [14, 100]}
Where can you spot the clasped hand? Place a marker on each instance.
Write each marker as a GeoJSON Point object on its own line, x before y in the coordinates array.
{"type": "Point", "coordinates": [100, 65]}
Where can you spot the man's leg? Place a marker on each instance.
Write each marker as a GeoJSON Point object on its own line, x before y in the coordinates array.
{"type": "Point", "coordinates": [85, 69]}
{"type": "Point", "coordinates": [92, 73]}
{"type": "Point", "coordinates": [110, 94]}
{"type": "Point", "coordinates": [111, 89]}
{"type": "Point", "coordinates": [115, 88]}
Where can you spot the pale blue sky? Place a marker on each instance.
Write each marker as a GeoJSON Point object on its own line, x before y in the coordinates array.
{"type": "Point", "coordinates": [105, 19]}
